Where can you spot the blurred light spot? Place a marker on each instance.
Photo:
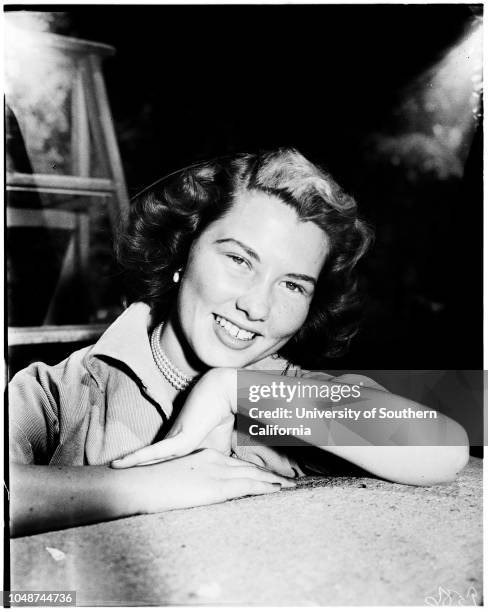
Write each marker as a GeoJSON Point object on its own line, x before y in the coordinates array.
{"type": "Point", "coordinates": [38, 84]}
{"type": "Point", "coordinates": [439, 114]}
{"type": "Point", "coordinates": [211, 590]}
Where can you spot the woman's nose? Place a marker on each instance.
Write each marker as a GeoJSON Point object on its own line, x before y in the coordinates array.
{"type": "Point", "coordinates": [256, 303]}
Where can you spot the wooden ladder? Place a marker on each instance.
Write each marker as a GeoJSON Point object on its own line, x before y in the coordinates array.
{"type": "Point", "coordinates": [90, 115]}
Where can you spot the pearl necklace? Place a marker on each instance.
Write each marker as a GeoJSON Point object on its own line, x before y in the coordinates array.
{"type": "Point", "coordinates": [175, 377]}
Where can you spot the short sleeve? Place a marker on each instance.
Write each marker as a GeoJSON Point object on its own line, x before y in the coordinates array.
{"type": "Point", "coordinates": [33, 414]}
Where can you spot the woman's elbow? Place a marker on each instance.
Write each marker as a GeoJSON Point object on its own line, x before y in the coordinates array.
{"type": "Point", "coordinates": [444, 460]}
{"type": "Point", "coordinates": [441, 464]}
{"type": "Point", "coordinates": [457, 458]}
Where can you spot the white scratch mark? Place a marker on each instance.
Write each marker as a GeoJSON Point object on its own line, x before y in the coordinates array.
{"type": "Point", "coordinates": [57, 555]}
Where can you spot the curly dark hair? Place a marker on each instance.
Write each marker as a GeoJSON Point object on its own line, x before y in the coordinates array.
{"type": "Point", "coordinates": [167, 217]}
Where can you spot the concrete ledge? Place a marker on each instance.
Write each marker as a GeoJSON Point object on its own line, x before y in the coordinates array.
{"type": "Point", "coordinates": [333, 541]}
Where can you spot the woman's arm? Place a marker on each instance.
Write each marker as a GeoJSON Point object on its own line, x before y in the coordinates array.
{"type": "Point", "coordinates": [43, 498]}
{"type": "Point", "coordinates": [53, 497]}
{"type": "Point", "coordinates": [412, 465]}
{"type": "Point", "coordinates": [412, 452]}
{"type": "Point", "coordinates": [408, 451]}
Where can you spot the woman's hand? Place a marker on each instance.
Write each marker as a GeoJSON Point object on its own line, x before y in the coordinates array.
{"type": "Point", "coordinates": [201, 478]}
{"type": "Point", "coordinates": [205, 421]}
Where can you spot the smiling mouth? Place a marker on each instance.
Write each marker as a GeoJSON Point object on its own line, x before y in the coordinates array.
{"type": "Point", "coordinates": [233, 330]}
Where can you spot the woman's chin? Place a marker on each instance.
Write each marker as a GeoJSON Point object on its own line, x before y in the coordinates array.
{"type": "Point", "coordinates": [228, 363]}
{"type": "Point", "coordinates": [237, 361]}
{"type": "Point", "coordinates": [225, 359]}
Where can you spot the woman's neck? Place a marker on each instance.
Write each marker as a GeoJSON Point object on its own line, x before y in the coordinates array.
{"type": "Point", "coordinates": [177, 350]}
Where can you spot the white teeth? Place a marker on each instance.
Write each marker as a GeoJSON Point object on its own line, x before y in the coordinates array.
{"type": "Point", "coordinates": [243, 335]}
{"type": "Point", "coordinates": [233, 330]}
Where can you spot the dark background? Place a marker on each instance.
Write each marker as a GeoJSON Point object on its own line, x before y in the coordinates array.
{"type": "Point", "coordinates": [190, 82]}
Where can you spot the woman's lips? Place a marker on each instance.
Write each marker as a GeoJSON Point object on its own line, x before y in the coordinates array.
{"type": "Point", "coordinates": [231, 341]}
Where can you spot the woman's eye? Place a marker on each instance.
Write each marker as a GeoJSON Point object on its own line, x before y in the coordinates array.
{"type": "Point", "coordinates": [239, 261]}
{"type": "Point", "coordinates": [294, 287]}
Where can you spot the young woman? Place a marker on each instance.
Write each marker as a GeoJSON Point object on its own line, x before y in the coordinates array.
{"type": "Point", "coordinates": [229, 265]}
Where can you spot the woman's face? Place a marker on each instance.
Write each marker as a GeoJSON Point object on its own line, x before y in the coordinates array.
{"type": "Point", "coordinates": [249, 281]}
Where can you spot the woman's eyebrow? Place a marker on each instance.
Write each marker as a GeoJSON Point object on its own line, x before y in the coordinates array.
{"type": "Point", "coordinates": [243, 246]}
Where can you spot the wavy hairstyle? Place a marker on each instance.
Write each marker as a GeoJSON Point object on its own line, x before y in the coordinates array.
{"type": "Point", "coordinates": [167, 217]}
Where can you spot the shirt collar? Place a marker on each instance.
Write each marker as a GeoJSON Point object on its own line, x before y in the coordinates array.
{"type": "Point", "coordinates": [127, 341]}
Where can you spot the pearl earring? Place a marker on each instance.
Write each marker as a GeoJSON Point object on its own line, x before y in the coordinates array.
{"type": "Point", "coordinates": [176, 276]}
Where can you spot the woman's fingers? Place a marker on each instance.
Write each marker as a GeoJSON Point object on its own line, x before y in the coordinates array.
{"type": "Point", "coordinates": [244, 469]}
{"type": "Point", "coordinates": [239, 487]}
{"type": "Point", "coordinates": [234, 469]}
{"type": "Point", "coordinates": [161, 451]}
{"type": "Point", "coordinates": [255, 473]}
{"type": "Point", "coordinates": [178, 443]}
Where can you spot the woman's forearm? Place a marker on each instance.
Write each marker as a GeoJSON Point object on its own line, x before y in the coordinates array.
{"type": "Point", "coordinates": [55, 497]}
{"type": "Point", "coordinates": [406, 450]}
{"type": "Point", "coordinates": [412, 465]}
{"type": "Point", "coordinates": [409, 451]}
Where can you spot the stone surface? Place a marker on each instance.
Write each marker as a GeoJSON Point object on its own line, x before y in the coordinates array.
{"type": "Point", "coordinates": [332, 541]}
